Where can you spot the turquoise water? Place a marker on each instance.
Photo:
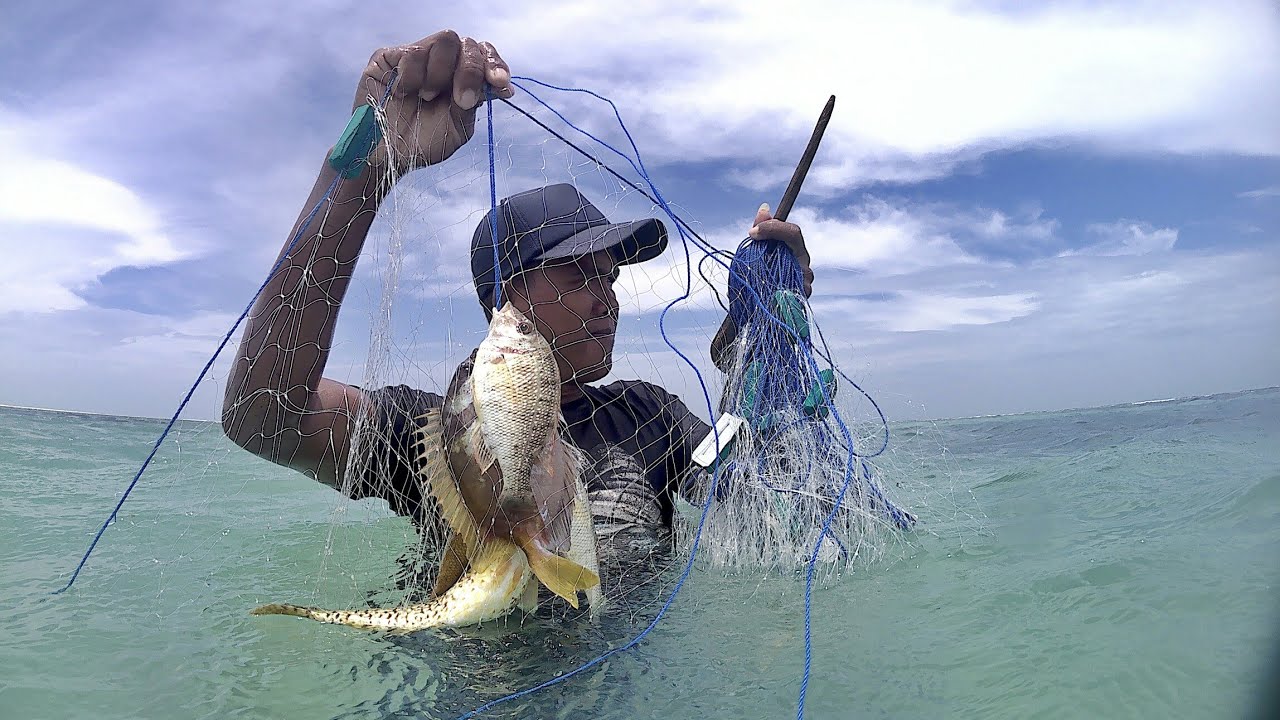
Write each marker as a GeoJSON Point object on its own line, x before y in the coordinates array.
{"type": "Point", "coordinates": [1112, 562]}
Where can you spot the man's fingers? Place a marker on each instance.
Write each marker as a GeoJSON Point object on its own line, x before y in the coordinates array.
{"type": "Point", "coordinates": [411, 69]}
{"type": "Point", "coordinates": [496, 71]}
{"type": "Point", "coordinates": [373, 82]}
{"type": "Point", "coordinates": [771, 229]}
{"type": "Point", "coordinates": [468, 80]}
{"type": "Point", "coordinates": [424, 68]}
{"type": "Point", "coordinates": [438, 64]}
{"type": "Point", "coordinates": [441, 64]}
{"type": "Point", "coordinates": [761, 215]}
{"type": "Point", "coordinates": [784, 232]}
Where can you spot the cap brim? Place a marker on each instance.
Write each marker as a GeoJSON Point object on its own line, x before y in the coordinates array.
{"type": "Point", "coordinates": [635, 241]}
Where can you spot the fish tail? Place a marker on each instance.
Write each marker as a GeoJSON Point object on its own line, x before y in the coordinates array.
{"type": "Point", "coordinates": [562, 576]}
{"type": "Point", "coordinates": [284, 609]}
{"type": "Point", "coordinates": [357, 618]}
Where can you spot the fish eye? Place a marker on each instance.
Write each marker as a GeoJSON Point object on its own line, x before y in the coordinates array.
{"type": "Point", "coordinates": [523, 327]}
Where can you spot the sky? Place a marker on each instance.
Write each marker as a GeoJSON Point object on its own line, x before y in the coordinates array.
{"type": "Point", "coordinates": [1016, 207]}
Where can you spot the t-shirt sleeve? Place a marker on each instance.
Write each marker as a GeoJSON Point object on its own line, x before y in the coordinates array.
{"type": "Point", "coordinates": [386, 467]}
{"type": "Point", "coordinates": [687, 431]}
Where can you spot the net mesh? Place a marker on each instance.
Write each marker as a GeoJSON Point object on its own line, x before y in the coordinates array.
{"type": "Point", "coordinates": [410, 317]}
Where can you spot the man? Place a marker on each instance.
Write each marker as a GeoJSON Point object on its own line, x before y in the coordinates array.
{"type": "Point", "coordinates": [558, 259]}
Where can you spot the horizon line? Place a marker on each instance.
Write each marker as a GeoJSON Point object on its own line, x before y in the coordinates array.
{"type": "Point", "coordinates": [1136, 403]}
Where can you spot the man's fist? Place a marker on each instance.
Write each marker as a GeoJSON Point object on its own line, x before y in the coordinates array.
{"type": "Point", "coordinates": [431, 111]}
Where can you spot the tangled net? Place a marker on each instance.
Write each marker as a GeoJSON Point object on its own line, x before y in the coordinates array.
{"type": "Point", "coordinates": [789, 479]}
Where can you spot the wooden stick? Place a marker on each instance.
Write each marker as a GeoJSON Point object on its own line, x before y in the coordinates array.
{"type": "Point", "coordinates": [728, 331]}
{"type": "Point", "coordinates": [806, 160]}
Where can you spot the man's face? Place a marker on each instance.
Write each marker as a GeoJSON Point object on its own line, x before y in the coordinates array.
{"type": "Point", "coordinates": [573, 305]}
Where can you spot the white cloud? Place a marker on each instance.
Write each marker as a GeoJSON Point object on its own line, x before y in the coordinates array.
{"type": "Point", "coordinates": [183, 338]}
{"type": "Point", "coordinates": [876, 238]}
{"type": "Point", "coordinates": [649, 287]}
{"type": "Point", "coordinates": [999, 226]}
{"type": "Point", "coordinates": [217, 117]}
{"type": "Point", "coordinates": [66, 225]}
{"type": "Point", "coordinates": [1269, 191]}
{"type": "Point", "coordinates": [1127, 237]}
{"type": "Point", "coordinates": [1104, 330]}
{"type": "Point", "coordinates": [113, 361]}
{"type": "Point", "coordinates": [922, 311]}
{"type": "Point", "coordinates": [894, 237]}
{"type": "Point", "coordinates": [921, 86]}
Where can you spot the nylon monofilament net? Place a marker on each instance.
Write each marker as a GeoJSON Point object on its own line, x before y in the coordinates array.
{"type": "Point", "coordinates": [798, 473]}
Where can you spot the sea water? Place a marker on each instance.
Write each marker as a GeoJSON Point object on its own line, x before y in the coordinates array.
{"type": "Point", "coordinates": [1113, 562]}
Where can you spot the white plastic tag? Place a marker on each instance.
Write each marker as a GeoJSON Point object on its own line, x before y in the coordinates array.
{"type": "Point", "coordinates": [726, 427]}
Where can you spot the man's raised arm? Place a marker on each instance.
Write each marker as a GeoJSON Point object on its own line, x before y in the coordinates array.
{"type": "Point", "coordinates": [277, 403]}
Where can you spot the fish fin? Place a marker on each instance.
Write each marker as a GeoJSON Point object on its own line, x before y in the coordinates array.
{"type": "Point", "coordinates": [552, 479]}
{"type": "Point", "coordinates": [495, 581]}
{"type": "Point", "coordinates": [529, 600]}
{"type": "Point", "coordinates": [481, 452]}
{"type": "Point", "coordinates": [452, 563]}
{"type": "Point", "coordinates": [458, 410]}
{"type": "Point", "coordinates": [582, 535]}
{"type": "Point", "coordinates": [439, 481]}
{"type": "Point", "coordinates": [440, 484]}
{"type": "Point", "coordinates": [562, 576]}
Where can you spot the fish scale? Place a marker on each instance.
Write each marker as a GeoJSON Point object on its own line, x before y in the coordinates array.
{"type": "Point", "coordinates": [517, 395]}
{"type": "Point", "coordinates": [515, 388]}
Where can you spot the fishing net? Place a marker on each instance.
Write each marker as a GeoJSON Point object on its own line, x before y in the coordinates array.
{"type": "Point", "coordinates": [791, 471]}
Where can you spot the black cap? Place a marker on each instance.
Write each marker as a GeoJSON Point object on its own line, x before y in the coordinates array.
{"type": "Point", "coordinates": [555, 221]}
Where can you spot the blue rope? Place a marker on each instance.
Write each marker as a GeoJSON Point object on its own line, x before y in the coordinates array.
{"type": "Point", "coordinates": [333, 186]}
{"type": "Point", "coordinates": [686, 238]}
{"type": "Point", "coordinates": [766, 268]}
{"type": "Point", "coordinates": [187, 398]}
{"type": "Point", "coordinates": [733, 268]}
{"type": "Point", "coordinates": [706, 505]}
{"type": "Point", "coordinates": [785, 378]}
{"type": "Point", "coordinates": [493, 201]}
{"type": "Point", "coordinates": [684, 575]}
{"type": "Point", "coordinates": [825, 354]}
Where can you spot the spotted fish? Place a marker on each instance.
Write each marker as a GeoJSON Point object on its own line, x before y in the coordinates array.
{"type": "Point", "coordinates": [496, 578]}
{"type": "Point", "coordinates": [506, 485]}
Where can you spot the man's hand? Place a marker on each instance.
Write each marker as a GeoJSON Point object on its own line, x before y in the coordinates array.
{"type": "Point", "coordinates": [766, 228]}
{"type": "Point", "coordinates": [431, 111]}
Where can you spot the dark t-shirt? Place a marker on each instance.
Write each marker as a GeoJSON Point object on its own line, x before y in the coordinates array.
{"type": "Point", "coordinates": [638, 440]}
